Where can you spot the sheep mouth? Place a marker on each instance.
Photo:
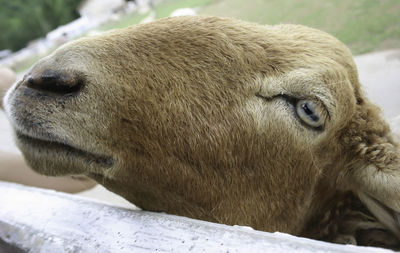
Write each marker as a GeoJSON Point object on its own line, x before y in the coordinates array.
{"type": "Point", "coordinates": [38, 145]}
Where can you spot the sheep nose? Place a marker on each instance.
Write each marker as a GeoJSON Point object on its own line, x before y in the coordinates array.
{"type": "Point", "coordinates": [54, 82]}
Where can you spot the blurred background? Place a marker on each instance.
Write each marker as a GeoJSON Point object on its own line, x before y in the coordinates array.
{"type": "Point", "coordinates": [33, 29]}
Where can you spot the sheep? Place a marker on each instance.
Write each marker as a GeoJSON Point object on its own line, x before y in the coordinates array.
{"type": "Point", "coordinates": [13, 167]}
{"type": "Point", "coordinates": [220, 120]}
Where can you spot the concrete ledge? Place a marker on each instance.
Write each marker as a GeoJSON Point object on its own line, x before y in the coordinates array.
{"type": "Point", "coordinates": [38, 220]}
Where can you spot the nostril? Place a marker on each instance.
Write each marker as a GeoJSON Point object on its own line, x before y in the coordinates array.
{"type": "Point", "coordinates": [55, 82]}
{"type": "Point", "coordinates": [31, 80]}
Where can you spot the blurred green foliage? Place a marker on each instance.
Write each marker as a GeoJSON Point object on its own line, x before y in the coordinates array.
{"type": "Point", "coordinates": [363, 25]}
{"type": "Point", "coordinates": [24, 20]}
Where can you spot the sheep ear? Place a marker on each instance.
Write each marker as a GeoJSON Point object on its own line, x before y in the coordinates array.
{"type": "Point", "coordinates": [381, 184]}
{"type": "Point", "coordinates": [389, 217]}
{"type": "Point", "coordinates": [379, 190]}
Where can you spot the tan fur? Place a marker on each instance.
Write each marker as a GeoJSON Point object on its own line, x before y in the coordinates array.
{"type": "Point", "coordinates": [190, 116]}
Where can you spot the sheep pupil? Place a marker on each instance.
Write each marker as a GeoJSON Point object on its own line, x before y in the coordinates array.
{"type": "Point", "coordinates": [309, 112]}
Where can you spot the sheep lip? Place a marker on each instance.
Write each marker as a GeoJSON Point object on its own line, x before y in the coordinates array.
{"type": "Point", "coordinates": [56, 146]}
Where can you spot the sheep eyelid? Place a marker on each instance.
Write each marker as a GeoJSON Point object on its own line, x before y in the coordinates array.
{"type": "Point", "coordinates": [292, 101]}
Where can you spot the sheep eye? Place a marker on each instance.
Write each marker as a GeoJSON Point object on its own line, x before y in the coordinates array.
{"type": "Point", "coordinates": [308, 112]}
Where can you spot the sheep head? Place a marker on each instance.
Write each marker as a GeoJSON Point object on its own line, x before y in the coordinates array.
{"type": "Point", "coordinates": [217, 119]}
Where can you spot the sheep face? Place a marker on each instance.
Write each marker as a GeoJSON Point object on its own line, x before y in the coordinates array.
{"type": "Point", "coordinates": [215, 119]}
